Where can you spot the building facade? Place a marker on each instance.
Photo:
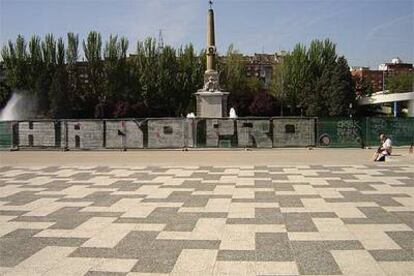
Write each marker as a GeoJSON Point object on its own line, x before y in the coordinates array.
{"type": "Point", "coordinates": [374, 77]}
{"type": "Point", "coordinates": [378, 78]}
{"type": "Point", "coordinates": [261, 66]}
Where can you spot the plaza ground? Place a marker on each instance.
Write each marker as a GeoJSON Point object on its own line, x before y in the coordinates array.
{"type": "Point", "coordinates": [197, 157]}
{"type": "Point", "coordinates": [206, 212]}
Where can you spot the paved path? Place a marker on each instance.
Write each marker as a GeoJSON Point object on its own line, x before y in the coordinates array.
{"type": "Point", "coordinates": [207, 220]}
{"type": "Point", "coordinates": [200, 157]}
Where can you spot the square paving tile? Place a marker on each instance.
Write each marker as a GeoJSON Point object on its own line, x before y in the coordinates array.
{"type": "Point", "coordinates": [251, 220]}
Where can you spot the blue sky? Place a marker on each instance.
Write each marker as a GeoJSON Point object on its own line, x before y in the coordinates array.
{"type": "Point", "coordinates": [367, 32]}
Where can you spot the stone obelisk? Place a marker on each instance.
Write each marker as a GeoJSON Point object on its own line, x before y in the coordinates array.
{"type": "Point", "coordinates": [211, 101]}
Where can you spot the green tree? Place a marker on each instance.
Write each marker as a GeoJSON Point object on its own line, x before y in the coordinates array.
{"type": "Point", "coordinates": [59, 102]}
{"type": "Point", "coordinates": [202, 65]}
{"type": "Point", "coordinates": [322, 56]}
{"type": "Point", "coordinates": [233, 78]}
{"type": "Point", "coordinates": [60, 54]}
{"type": "Point", "coordinates": [254, 85]}
{"type": "Point", "coordinates": [296, 76]}
{"type": "Point", "coordinates": [159, 80]}
{"type": "Point", "coordinates": [163, 100]}
{"type": "Point", "coordinates": [322, 61]}
{"type": "Point", "coordinates": [315, 94]}
{"type": "Point", "coordinates": [72, 51]}
{"type": "Point", "coordinates": [147, 65]}
{"type": "Point", "coordinates": [400, 83]}
{"type": "Point", "coordinates": [363, 87]}
{"type": "Point", "coordinates": [5, 93]}
{"type": "Point", "coordinates": [35, 61]}
{"type": "Point", "coordinates": [15, 61]}
{"type": "Point", "coordinates": [74, 94]}
{"type": "Point", "coordinates": [341, 93]}
{"type": "Point", "coordinates": [115, 68]}
{"type": "Point", "coordinates": [44, 80]}
{"type": "Point", "coordinates": [277, 85]}
{"type": "Point", "coordinates": [190, 77]}
{"type": "Point", "coordinates": [264, 104]}
{"type": "Point", "coordinates": [93, 90]}
{"type": "Point", "coordinates": [315, 81]}
{"type": "Point", "coordinates": [15, 66]}
{"type": "Point", "coordinates": [49, 50]}
{"type": "Point", "coordinates": [233, 75]}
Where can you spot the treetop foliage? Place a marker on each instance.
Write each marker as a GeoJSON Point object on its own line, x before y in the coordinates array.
{"type": "Point", "coordinates": [403, 82]}
{"type": "Point", "coordinates": [157, 80]}
{"type": "Point", "coordinates": [314, 81]}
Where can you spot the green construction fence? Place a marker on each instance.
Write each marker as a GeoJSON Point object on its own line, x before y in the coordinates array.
{"type": "Point", "coordinates": [329, 132]}
{"type": "Point", "coordinates": [363, 132]}
{"type": "Point", "coordinates": [400, 130]}
{"type": "Point", "coordinates": [6, 135]}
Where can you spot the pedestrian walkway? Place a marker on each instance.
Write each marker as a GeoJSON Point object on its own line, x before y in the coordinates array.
{"type": "Point", "coordinates": [207, 220]}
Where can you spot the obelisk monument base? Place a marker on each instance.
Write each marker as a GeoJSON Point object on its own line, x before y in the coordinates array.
{"type": "Point", "coordinates": [212, 104]}
{"type": "Point", "coordinates": [211, 101]}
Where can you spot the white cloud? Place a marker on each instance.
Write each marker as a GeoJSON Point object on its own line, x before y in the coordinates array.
{"type": "Point", "coordinates": [385, 29]}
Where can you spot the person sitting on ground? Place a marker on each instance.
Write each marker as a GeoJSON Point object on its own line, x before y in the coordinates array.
{"type": "Point", "coordinates": [385, 149]}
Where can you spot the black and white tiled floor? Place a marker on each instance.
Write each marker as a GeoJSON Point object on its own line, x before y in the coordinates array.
{"type": "Point", "coordinates": [244, 220]}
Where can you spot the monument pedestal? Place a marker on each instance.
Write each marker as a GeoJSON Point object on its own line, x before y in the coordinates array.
{"type": "Point", "coordinates": [212, 104]}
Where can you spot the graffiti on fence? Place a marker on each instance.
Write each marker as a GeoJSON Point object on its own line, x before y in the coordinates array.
{"type": "Point", "coordinates": [348, 131]}
{"type": "Point", "coordinates": [376, 126]}
{"type": "Point", "coordinates": [187, 133]}
{"type": "Point", "coordinates": [165, 133]}
{"type": "Point", "coordinates": [401, 130]}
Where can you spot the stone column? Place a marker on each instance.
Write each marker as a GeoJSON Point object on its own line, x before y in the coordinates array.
{"type": "Point", "coordinates": [211, 42]}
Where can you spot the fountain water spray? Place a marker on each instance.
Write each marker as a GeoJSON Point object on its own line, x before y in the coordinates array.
{"type": "Point", "coordinates": [191, 115]}
{"type": "Point", "coordinates": [21, 106]}
{"type": "Point", "coordinates": [232, 113]}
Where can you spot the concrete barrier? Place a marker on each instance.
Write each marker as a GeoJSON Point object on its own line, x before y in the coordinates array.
{"type": "Point", "coordinates": [166, 133]}
{"type": "Point", "coordinates": [38, 134]}
{"type": "Point", "coordinates": [254, 133]}
{"type": "Point", "coordinates": [219, 131]}
{"type": "Point", "coordinates": [83, 134]}
{"type": "Point", "coordinates": [123, 135]}
{"type": "Point", "coordinates": [293, 132]}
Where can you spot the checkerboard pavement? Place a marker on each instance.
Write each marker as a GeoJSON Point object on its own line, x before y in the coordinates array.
{"type": "Point", "coordinates": [211, 220]}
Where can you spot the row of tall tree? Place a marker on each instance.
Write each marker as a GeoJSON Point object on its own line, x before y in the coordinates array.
{"type": "Point", "coordinates": [314, 81]}
{"type": "Point", "coordinates": [159, 80]}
